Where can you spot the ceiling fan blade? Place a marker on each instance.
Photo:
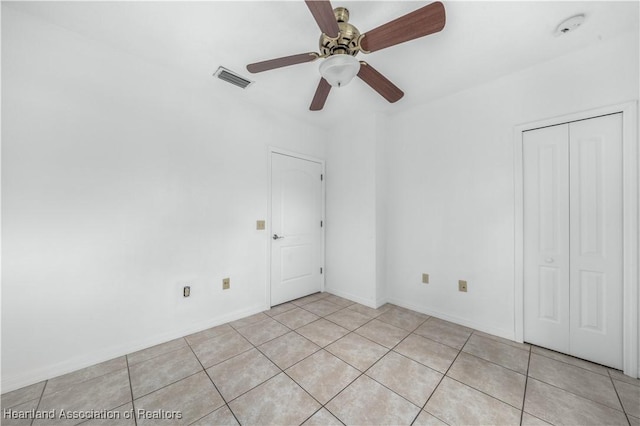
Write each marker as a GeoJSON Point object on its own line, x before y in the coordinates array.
{"type": "Point", "coordinates": [285, 61]}
{"type": "Point", "coordinates": [321, 95]}
{"type": "Point", "coordinates": [322, 12]}
{"type": "Point", "coordinates": [379, 83]}
{"type": "Point", "coordinates": [419, 23]}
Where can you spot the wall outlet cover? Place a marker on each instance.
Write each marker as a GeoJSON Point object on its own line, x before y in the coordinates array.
{"type": "Point", "coordinates": [425, 278]}
{"type": "Point", "coordinates": [462, 286]}
{"type": "Point", "coordinates": [260, 224]}
{"type": "Point", "coordinates": [226, 283]}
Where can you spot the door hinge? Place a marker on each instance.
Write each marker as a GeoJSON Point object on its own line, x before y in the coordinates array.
{"type": "Point", "coordinates": [320, 270]}
{"type": "Point", "coordinates": [320, 224]}
{"type": "Point", "coordinates": [321, 177]}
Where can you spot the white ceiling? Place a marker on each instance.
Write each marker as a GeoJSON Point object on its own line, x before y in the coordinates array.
{"type": "Point", "coordinates": [480, 42]}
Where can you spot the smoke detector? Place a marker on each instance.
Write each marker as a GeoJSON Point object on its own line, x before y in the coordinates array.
{"type": "Point", "coordinates": [570, 24]}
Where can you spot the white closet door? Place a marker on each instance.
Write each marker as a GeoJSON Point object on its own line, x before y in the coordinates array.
{"type": "Point", "coordinates": [573, 238]}
{"type": "Point", "coordinates": [546, 237]}
{"type": "Point", "coordinates": [596, 239]}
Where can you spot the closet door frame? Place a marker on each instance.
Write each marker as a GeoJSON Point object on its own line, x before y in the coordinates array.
{"type": "Point", "coordinates": [631, 259]}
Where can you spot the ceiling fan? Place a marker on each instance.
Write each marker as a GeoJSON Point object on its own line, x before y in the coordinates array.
{"type": "Point", "coordinates": [340, 42]}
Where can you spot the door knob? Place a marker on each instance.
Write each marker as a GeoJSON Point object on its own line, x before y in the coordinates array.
{"type": "Point", "coordinates": [276, 237]}
{"type": "Point", "coordinates": [549, 260]}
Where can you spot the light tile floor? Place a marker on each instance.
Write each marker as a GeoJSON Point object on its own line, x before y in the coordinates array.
{"type": "Point", "coordinates": [323, 360]}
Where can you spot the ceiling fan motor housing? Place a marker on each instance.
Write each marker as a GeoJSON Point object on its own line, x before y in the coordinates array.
{"type": "Point", "coordinates": [347, 40]}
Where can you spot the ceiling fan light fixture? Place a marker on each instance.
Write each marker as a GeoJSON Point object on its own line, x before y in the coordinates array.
{"type": "Point", "coordinates": [339, 69]}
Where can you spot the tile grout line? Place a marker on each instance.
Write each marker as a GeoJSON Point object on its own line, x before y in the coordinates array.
{"type": "Point", "coordinates": [267, 357]}
{"type": "Point", "coordinates": [291, 378]}
{"type": "Point", "coordinates": [494, 363]}
{"type": "Point", "coordinates": [197, 342]}
{"type": "Point", "coordinates": [362, 373]}
{"type": "Point", "coordinates": [167, 385]}
{"type": "Point", "coordinates": [526, 380]}
{"type": "Point", "coordinates": [330, 413]}
{"type": "Point", "coordinates": [294, 329]}
{"type": "Point", "coordinates": [214, 386]}
{"type": "Point", "coordinates": [171, 383]}
{"type": "Point", "coordinates": [133, 406]}
{"type": "Point", "coordinates": [39, 400]}
{"type": "Point", "coordinates": [619, 399]}
{"type": "Point", "coordinates": [155, 356]}
{"type": "Point", "coordinates": [475, 332]}
{"type": "Point", "coordinates": [441, 379]}
{"type": "Point", "coordinates": [579, 396]}
{"type": "Point", "coordinates": [449, 347]}
{"type": "Point", "coordinates": [485, 393]}
{"type": "Point", "coordinates": [369, 319]}
{"type": "Point", "coordinates": [622, 410]}
{"type": "Point", "coordinates": [321, 316]}
{"type": "Point", "coordinates": [568, 363]}
{"type": "Point", "coordinates": [445, 344]}
{"type": "Point", "coordinates": [352, 366]}
{"type": "Point", "coordinates": [324, 348]}
{"type": "Point", "coordinates": [81, 381]}
{"type": "Point", "coordinates": [271, 361]}
{"type": "Point", "coordinates": [392, 350]}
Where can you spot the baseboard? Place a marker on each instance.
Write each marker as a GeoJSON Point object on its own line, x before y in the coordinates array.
{"type": "Point", "coordinates": [16, 381]}
{"type": "Point", "coordinates": [367, 302]}
{"type": "Point", "coordinates": [500, 332]}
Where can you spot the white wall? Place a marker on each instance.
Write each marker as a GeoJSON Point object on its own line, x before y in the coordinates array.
{"type": "Point", "coordinates": [356, 210]}
{"type": "Point", "coordinates": [451, 181]}
{"type": "Point", "coordinates": [384, 138]}
{"type": "Point", "coordinates": [121, 180]}
{"type": "Point", "coordinates": [350, 211]}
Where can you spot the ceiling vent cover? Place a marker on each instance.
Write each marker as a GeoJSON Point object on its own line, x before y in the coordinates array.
{"type": "Point", "coordinates": [231, 77]}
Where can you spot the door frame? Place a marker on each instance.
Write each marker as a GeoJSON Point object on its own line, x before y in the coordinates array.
{"type": "Point", "coordinates": [630, 226]}
{"type": "Point", "coordinates": [275, 150]}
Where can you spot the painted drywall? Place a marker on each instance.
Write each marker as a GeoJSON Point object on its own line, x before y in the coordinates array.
{"type": "Point", "coordinates": [451, 180]}
{"type": "Point", "coordinates": [122, 181]}
{"type": "Point", "coordinates": [384, 135]}
{"type": "Point", "coordinates": [350, 211]}
{"type": "Point", "coordinates": [356, 210]}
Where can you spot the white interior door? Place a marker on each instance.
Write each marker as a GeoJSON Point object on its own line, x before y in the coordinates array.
{"type": "Point", "coordinates": [573, 238]}
{"type": "Point", "coordinates": [595, 169]}
{"type": "Point", "coordinates": [546, 237]}
{"type": "Point", "coordinates": [296, 215]}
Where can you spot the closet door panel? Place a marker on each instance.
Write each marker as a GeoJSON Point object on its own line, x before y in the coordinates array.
{"type": "Point", "coordinates": [595, 170]}
{"type": "Point", "coordinates": [546, 237]}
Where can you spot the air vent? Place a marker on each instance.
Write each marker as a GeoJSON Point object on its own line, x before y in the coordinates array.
{"type": "Point", "coordinates": [231, 77]}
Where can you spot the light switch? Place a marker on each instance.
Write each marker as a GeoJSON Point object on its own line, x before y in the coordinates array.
{"type": "Point", "coordinates": [260, 225]}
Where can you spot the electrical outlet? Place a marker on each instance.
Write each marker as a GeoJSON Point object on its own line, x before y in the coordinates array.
{"type": "Point", "coordinates": [425, 278]}
{"type": "Point", "coordinates": [260, 225]}
{"type": "Point", "coordinates": [462, 285]}
{"type": "Point", "coordinates": [226, 283]}
{"type": "Point", "coordinates": [186, 291]}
